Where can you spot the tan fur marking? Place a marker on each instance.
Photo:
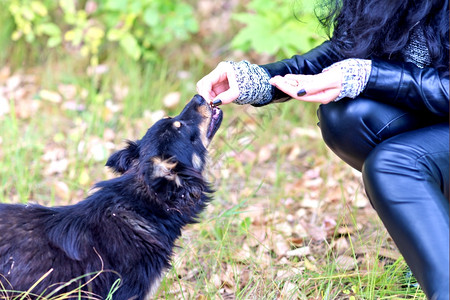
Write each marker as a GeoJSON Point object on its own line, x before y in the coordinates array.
{"type": "Point", "coordinates": [154, 288]}
{"type": "Point", "coordinates": [206, 113]}
{"type": "Point", "coordinates": [177, 124]}
{"type": "Point", "coordinates": [163, 168]}
{"type": "Point", "coordinates": [196, 161]}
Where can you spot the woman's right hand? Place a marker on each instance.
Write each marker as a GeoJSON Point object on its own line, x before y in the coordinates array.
{"type": "Point", "coordinates": [220, 84]}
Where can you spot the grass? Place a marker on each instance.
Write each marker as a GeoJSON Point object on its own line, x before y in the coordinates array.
{"type": "Point", "coordinates": [279, 189]}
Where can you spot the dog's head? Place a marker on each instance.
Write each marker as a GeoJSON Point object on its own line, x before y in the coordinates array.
{"type": "Point", "coordinates": [173, 152]}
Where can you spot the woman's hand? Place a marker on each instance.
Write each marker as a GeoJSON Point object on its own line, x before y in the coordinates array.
{"type": "Point", "coordinates": [220, 84]}
{"type": "Point", "coordinates": [322, 88]}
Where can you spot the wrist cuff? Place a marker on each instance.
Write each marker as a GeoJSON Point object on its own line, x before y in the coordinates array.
{"type": "Point", "coordinates": [253, 83]}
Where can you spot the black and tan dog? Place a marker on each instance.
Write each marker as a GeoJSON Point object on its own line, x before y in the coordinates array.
{"type": "Point", "coordinates": [126, 229]}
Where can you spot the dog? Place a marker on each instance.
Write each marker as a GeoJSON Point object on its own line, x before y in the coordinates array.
{"type": "Point", "coordinates": [120, 238]}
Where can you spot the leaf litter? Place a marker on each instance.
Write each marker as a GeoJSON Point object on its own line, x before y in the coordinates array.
{"type": "Point", "coordinates": [287, 206]}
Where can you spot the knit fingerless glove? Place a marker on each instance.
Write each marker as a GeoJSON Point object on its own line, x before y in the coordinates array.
{"type": "Point", "coordinates": [253, 82]}
{"type": "Point", "coordinates": [355, 75]}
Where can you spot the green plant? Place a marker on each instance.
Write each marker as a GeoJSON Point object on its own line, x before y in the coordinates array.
{"type": "Point", "coordinates": [281, 27]}
{"type": "Point", "coordinates": [142, 28]}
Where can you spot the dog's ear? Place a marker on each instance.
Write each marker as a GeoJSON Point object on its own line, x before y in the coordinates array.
{"type": "Point", "coordinates": [122, 160]}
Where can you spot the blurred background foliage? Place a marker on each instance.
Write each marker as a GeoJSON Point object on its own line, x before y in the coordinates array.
{"type": "Point", "coordinates": [145, 29]}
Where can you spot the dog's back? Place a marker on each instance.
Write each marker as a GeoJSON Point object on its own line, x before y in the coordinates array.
{"type": "Point", "coordinates": [94, 244]}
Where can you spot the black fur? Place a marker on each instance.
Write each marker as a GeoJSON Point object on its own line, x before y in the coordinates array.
{"type": "Point", "coordinates": [126, 229]}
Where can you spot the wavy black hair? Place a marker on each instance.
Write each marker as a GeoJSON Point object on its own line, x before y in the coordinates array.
{"type": "Point", "coordinates": [381, 28]}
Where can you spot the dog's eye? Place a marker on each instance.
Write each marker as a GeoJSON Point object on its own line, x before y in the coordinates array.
{"type": "Point", "coordinates": [177, 124]}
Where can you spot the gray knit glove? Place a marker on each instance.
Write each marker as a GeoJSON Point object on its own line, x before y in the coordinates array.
{"type": "Point", "coordinates": [355, 73]}
{"type": "Point", "coordinates": [253, 83]}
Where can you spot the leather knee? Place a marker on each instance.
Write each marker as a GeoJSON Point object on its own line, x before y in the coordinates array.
{"type": "Point", "coordinates": [351, 128]}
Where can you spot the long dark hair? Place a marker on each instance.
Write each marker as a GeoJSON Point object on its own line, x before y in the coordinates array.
{"type": "Point", "coordinates": [365, 28]}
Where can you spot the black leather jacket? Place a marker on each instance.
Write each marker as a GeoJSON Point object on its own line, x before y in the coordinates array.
{"type": "Point", "coordinates": [399, 83]}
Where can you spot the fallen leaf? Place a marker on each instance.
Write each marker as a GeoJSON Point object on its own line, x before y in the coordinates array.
{"type": "Point", "coordinates": [345, 263]}
{"type": "Point", "coordinates": [294, 153]}
{"type": "Point", "coordinates": [13, 83]}
{"type": "Point", "coordinates": [4, 106]}
{"type": "Point", "coordinates": [341, 245]}
{"type": "Point", "coordinates": [265, 153]}
{"type": "Point", "coordinates": [310, 266]}
{"type": "Point", "coordinates": [61, 190]}
{"type": "Point", "coordinates": [299, 252]}
{"type": "Point", "coordinates": [281, 247]}
{"type": "Point", "coordinates": [68, 91]}
{"type": "Point", "coordinates": [289, 291]}
{"type": "Point", "coordinates": [97, 70]}
{"type": "Point", "coordinates": [50, 96]}
{"type": "Point", "coordinates": [56, 167]}
{"type": "Point", "coordinates": [171, 100]}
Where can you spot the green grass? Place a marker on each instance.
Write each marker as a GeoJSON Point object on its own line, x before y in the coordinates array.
{"type": "Point", "coordinates": [223, 256]}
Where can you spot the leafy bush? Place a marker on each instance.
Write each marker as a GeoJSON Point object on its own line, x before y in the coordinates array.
{"type": "Point", "coordinates": [278, 27]}
{"type": "Point", "coordinates": [142, 28]}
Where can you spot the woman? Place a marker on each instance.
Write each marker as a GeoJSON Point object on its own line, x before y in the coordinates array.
{"type": "Point", "coordinates": [383, 81]}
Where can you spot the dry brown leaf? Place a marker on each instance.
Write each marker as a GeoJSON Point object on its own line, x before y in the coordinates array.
{"type": "Point", "coordinates": [310, 203]}
{"type": "Point", "coordinates": [26, 108]}
{"type": "Point", "coordinates": [56, 167]}
{"type": "Point", "coordinates": [265, 153]}
{"type": "Point", "coordinates": [281, 248]}
{"type": "Point", "coordinates": [215, 279]}
{"type": "Point", "coordinates": [68, 91]}
{"type": "Point", "coordinates": [12, 83]}
{"type": "Point", "coordinates": [294, 153]}
{"type": "Point", "coordinates": [296, 241]}
{"type": "Point", "coordinates": [317, 233]}
{"type": "Point", "coordinates": [4, 106]}
{"type": "Point", "coordinates": [391, 254]}
{"type": "Point", "coordinates": [171, 100]}
{"type": "Point", "coordinates": [244, 253]}
{"type": "Point", "coordinates": [345, 263]}
{"type": "Point", "coordinates": [313, 183]}
{"type": "Point", "coordinates": [257, 236]}
{"type": "Point", "coordinates": [228, 277]}
{"type": "Point", "coordinates": [345, 229]}
{"type": "Point", "coordinates": [309, 265]}
{"type": "Point", "coordinates": [97, 70]}
{"type": "Point", "coordinates": [289, 291]}
{"type": "Point", "coordinates": [61, 190]}
{"type": "Point", "coordinates": [245, 156]}
{"type": "Point", "coordinates": [299, 252]}
{"type": "Point", "coordinates": [73, 106]}
{"type": "Point", "coordinates": [50, 96]}
{"type": "Point", "coordinates": [5, 72]}
{"type": "Point", "coordinates": [341, 245]}
{"type": "Point", "coordinates": [285, 228]}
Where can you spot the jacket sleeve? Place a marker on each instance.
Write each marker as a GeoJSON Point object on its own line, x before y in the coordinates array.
{"type": "Point", "coordinates": [312, 62]}
{"type": "Point", "coordinates": [406, 85]}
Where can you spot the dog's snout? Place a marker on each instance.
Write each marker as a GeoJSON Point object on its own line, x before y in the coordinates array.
{"type": "Point", "coordinates": [197, 105]}
{"type": "Point", "coordinates": [199, 100]}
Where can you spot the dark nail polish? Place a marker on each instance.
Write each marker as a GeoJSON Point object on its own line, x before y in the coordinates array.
{"type": "Point", "coordinates": [302, 92]}
{"type": "Point", "coordinates": [216, 102]}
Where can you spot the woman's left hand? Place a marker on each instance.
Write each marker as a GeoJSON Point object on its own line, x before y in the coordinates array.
{"type": "Point", "coordinates": [322, 88]}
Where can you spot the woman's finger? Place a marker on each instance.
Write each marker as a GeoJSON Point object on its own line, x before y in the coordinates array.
{"type": "Point", "coordinates": [311, 88]}
{"type": "Point", "coordinates": [219, 84]}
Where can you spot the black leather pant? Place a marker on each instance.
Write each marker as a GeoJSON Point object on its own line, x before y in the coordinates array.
{"type": "Point", "coordinates": [404, 159]}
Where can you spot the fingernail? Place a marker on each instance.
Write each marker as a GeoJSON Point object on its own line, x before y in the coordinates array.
{"type": "Point", "coordinates": [302, 92]}
{"type": "Point", "coordinates": [217, 102]}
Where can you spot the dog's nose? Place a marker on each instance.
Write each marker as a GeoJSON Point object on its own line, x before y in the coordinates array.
{"type": "Point", "coordinates": [199, 100]}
